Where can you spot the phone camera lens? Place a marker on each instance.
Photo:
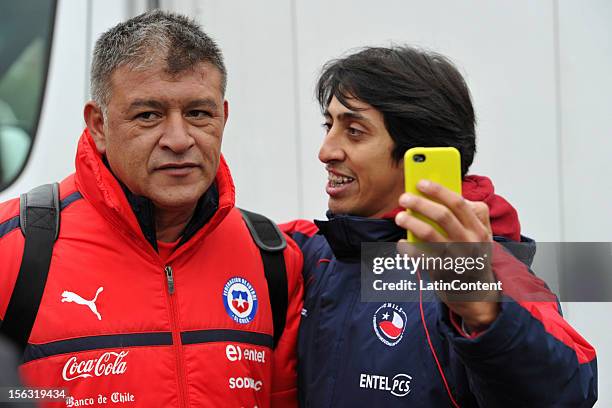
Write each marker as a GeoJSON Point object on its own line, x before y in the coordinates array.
{"type": "Point", "coordinates": [419, 158]}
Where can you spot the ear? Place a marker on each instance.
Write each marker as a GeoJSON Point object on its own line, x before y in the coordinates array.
{"type": "Point", "coordinates": [94, 118]}
{"type": "Point", "coordinates": [225, 111]}
{"type": "Point", "coordinates": [397, 163]}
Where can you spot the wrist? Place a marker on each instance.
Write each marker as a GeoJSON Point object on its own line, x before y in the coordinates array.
{"type": "Point", "coordinates": [480, 319]}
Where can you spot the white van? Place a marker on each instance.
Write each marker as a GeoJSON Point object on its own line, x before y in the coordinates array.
{"type": "Point", "coordinates": [45, 48]}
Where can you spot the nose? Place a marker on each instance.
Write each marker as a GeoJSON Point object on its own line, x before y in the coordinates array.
{"type": "Point", "coordinates": [176, 135]}
{"type": "Point", "coordinates": [331, 149]}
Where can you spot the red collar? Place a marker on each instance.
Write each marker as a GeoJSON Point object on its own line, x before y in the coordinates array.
{"type": "Point", "coordinates": [504, 218]}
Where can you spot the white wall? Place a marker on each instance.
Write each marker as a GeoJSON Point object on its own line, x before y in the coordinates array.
{"type": "Point", "coordinates": [585, 54]}
{"type": "Point", "coordinates": [585, 147]}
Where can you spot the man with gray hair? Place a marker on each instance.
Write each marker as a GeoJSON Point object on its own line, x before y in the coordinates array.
{"type": "Point", "coordinates": [157, 290]}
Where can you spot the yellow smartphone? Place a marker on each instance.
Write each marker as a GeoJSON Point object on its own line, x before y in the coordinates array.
{"type": "Point", "coordinates": [441, 165]}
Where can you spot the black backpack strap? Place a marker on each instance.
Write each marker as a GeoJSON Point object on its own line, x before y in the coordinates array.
{"type": "Point", "coordinates": [39, 214]}
{"type": "Point", "coordinates": [271, 243]}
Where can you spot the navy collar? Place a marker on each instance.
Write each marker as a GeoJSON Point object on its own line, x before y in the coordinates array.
{"type": "Point", "coordinates": [345, 233]}
{"type": "Point", "coordinates": [144, 210]}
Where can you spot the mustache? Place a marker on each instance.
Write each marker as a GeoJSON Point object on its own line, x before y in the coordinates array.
{"type": "Point", "coordinates": [170, 158]}
{"type": "Point", "coordinates": [339, 171]}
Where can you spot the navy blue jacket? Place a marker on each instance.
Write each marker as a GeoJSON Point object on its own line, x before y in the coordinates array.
{"type": "Point", "coordinates": [529, 357]}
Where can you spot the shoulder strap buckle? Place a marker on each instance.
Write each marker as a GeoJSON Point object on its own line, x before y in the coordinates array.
{"type": "Point", "coordinates": [265, 232]}
{"type": "Point", "coordinates": [39, 208]}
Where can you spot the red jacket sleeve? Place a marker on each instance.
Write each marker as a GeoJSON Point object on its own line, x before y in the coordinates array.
{"type": "Point", "coordinates": [530, 355]}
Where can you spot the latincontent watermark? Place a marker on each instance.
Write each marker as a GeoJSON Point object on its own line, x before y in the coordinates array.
{"type": "Point", "coordinates": [458, 265]}
{"type": "Point", "coordinates": [403, 272]}
{"type": "Point", "coordinates": [455, 285]}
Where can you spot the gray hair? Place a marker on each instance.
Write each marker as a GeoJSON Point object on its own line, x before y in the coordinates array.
{"type": "Point", "coordinates": [145, 39]}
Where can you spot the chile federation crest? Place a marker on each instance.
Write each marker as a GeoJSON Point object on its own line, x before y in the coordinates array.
{"type": "Point", "coordinates": [389, 323]}
{"type": "Point", "coordinates": [240, 300]}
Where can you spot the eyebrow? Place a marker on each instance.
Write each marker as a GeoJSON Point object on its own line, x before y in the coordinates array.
{"type": "Point", "coordinates": [155, 104]}
{"type": "Point", "coordinates": [146, 103]}
{"type": "Point", "coordinates": [206, 102]}
{"type": "Point", "coordinates": [350, 115]}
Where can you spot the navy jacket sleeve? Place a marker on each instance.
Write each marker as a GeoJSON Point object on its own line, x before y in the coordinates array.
{"type": "Point", "coordinates": [530, 356]}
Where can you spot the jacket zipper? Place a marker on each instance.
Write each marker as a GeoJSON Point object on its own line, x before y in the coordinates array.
{"type": "Point", "coordinates": [176, 337]}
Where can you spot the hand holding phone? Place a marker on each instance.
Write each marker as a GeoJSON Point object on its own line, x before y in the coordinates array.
{"type": "Point", "coordinates": [463, 222]}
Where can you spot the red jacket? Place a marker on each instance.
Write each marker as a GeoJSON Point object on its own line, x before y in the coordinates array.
{"type": "Point", "coordinates": [110, 325]}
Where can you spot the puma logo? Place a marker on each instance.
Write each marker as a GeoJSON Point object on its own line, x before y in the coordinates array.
{"type": "Point", "coordinates": [73, 297]}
